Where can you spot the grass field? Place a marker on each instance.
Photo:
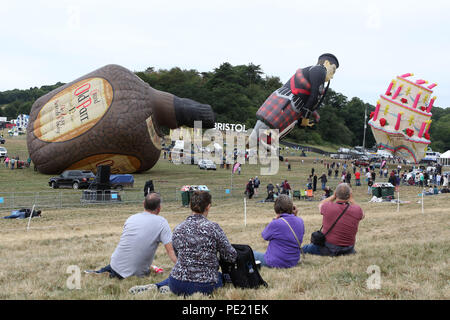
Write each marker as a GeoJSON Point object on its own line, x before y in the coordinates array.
{"type": "Point", "coordinates": [410, 248]}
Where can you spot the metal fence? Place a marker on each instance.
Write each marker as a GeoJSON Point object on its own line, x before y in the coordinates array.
{"type": "Point", "coordinates": [79, 198]}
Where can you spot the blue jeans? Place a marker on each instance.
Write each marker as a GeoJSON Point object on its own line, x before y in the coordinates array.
{"type": "Point", "coordinates": [324, 184]}
{"type": "Point", "coordinates": [16, 215]}
{"type": "Point", "coordinates": [187, 288]}
{"type": "Point", "coordinates": [260, 256]}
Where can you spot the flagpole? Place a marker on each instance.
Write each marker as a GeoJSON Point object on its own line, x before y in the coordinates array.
{"type": "Point", "coordinates": [231, 187]}
{"type": "Point", "coordinates": [365, 129]}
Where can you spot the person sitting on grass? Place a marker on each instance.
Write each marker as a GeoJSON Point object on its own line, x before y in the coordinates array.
{"type": "Point", "coordinates": [197, 242]}
{"type": "Point", "coordinates": [284, 247]}
{"type": "Point", "coordinates": [140, 238]}
{"type": "Point", "coordinates": [23, 213]}
{"type": "Point", "coordinates": [341, 239]}
{"type": "Point", "coordinates": [432, 191]}
{"type": "Point", "coordinates": [327, 193]}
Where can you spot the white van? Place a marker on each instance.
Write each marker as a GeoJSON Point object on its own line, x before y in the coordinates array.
{"type": "Point", "coordinates": [3, 152]}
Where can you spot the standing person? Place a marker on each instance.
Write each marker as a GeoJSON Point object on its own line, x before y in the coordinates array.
{"type": "Point", "coordinates": [148, 187]}
{"type": "Point", "coordinates": [270, 192]}
{"type": "Point", "coordinates": [285, 236]}
{"type": "Point", "coordinates": [323, 179]}
{"type": "Point", "coordinates": [286, 187]}
{"type": "Point", "coordinates": [250, 189]}
{"type": "Point", "coordinates": [336, 172]}
{"type": "Point", "coordinates": [279, 189]}
{"type": "Point", "coordinates": [373, 175]}
{"type": "Point", "coordinates": [330, 172]}
{"type": "Point", "coordinates": [369, 186]}
{"type": "Point", "coordinates": [445, 181]}
{"type": "Point", "coordinates": [256, 184]}
{"type": "Point", "coordinates": [315, 183]}
{"type": "Point", "coordinates": [343, 177]}
{"type": "Point", "coordinates": [197, 242]}
{"type": "Point", "coordinates": [438, 179]}
{"type": "Point", "coordinates": [397, 182]}
{"type": "Point", "coordinates": [342, 237]}
{"type": "Point", "coordinates": [392, 178]}
{"type": "Point", "coordinates": [348, 178]}
{"type": "Point", "coordinates": [421, 179]}
{"type": "Point", "coordinates": [309, 183]}
{"type": "Point", "coordinates": [12, 161]}
{"type": "Point", "coordinates": [139, 241]}
{"type": "Point", "coordinates": [358, 178]}
{"type": "Point", "coordinates": [6, 161]}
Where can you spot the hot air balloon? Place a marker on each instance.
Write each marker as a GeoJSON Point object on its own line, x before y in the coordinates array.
{"type": "Point", "coordinates": [107, 117]}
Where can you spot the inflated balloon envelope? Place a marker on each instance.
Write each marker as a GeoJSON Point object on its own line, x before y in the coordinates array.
{"type": "Point", "coordinates": [107, 117]}
{"type": "Point", "coordinates": [402, 118]}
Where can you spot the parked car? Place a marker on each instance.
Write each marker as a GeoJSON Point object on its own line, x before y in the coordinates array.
{"type": "Point", "coordinates": [376, 165]}
{"type": "Point", "coordinates": [74, 179]}
{"type": "Point", "coordinates": [207, 164]}
{"type": "Point", "coordinates": [3, 152]}
{"type": "Point", "coordinates": [360, 162]}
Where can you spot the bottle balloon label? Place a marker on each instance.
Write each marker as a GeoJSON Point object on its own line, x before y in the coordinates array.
{"type": "Point", "coordinates": [74, 110]}
{"type": "Point", "coordinates": [119, 163]}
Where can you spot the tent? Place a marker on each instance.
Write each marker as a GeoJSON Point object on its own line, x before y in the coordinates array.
{"type": "Point", "coordinates": [445, 158]}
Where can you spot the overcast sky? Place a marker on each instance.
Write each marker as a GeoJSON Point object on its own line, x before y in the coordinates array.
{"type": "Point", "coordinates": [43, 42]}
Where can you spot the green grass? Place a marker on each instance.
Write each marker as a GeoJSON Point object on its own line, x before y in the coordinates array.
{"type": "Point", "coordinates": [411, 248]}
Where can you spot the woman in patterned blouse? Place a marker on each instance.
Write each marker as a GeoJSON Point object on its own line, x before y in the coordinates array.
{"type": "Point", "coordinates": [196, 242]}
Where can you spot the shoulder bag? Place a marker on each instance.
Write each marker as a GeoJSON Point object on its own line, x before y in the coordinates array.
{"type": "Point", "coordinates": [296, 238]}
{"type": "Point", "coordinates": [318, 238]}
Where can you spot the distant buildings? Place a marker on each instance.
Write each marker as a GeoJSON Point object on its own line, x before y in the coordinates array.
{"type": "Point", "coordinates": [16, 126]}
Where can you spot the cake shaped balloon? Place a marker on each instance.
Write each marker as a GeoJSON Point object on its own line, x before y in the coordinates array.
{"type": "Point", "coordinates": [402, 118]}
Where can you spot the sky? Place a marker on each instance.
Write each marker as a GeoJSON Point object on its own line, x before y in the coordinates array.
{"type": "Point", "coordinates": [43, 42]}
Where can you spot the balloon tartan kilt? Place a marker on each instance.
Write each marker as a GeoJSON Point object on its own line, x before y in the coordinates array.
{"type": "Point", "coordinates": [277, 112]}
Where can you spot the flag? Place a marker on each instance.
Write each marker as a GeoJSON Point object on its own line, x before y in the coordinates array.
{"type": "Point", "coordinates": [236, 166]}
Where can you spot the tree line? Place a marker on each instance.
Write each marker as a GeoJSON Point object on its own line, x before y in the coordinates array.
{"type": "Point", "coordinates": [236, 93]}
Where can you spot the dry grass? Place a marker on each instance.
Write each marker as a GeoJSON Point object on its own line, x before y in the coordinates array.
{"type": "Point", "coordinates": [410, 247]}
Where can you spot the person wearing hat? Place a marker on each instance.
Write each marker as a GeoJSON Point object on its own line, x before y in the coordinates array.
{"type": "Point", "coordinates": [298, 100]}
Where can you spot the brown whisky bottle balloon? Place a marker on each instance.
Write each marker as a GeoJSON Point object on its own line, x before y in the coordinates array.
{"type": "Point", "coordinates": [107, 117]}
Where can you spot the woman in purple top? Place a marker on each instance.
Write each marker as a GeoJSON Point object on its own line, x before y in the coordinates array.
{"type": "Point", "coordinates": [284, 247]}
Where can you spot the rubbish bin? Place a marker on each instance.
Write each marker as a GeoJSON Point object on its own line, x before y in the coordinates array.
{"type": "Point", "coordinates": [387, 192]}
{"type": "Point", "coordinates": [185, 198]}
{"type": "Point", "coordinates": [376, 191]}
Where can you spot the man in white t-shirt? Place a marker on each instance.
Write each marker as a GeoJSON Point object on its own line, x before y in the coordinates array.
{"type": "Point", "coordinates": [140, 238]}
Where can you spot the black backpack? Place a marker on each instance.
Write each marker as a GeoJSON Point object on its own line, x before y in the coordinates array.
{"type": "Point", "coordinates": [244, 272]}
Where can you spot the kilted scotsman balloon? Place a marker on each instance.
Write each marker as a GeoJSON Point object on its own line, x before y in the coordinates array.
{"type": "Point", "coordinates": [297, 101]}
{"type": "Point", "coordinates": [107, 117]}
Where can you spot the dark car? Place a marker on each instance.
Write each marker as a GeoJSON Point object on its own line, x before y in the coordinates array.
{"type": "Point", "coordinates": [360, 162]}
{"type": "Point", "coordinates": [72, 178]}
{"type": "Point", "coordinates": [2, 140]}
